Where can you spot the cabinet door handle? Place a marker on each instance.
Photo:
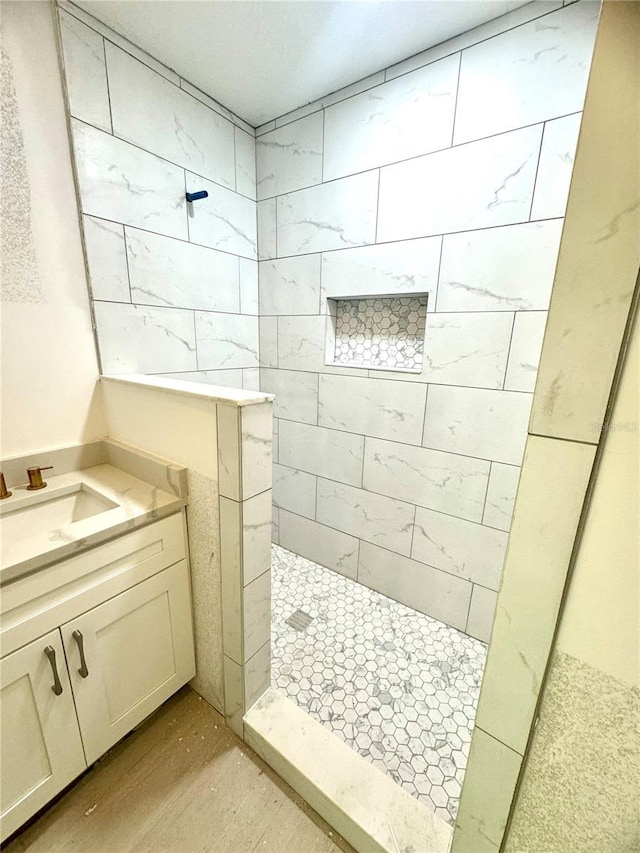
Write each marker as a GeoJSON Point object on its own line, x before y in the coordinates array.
{"type": "Point", "coordinates": [77, 636]}
{"type": "Point", "coordinates": [50, 652]}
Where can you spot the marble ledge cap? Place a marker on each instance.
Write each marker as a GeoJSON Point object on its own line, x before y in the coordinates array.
{"type": "Point", "coordinates": [214, 393]}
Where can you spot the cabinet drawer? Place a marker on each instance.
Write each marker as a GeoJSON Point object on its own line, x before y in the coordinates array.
{"type": "Point", "coordinates": [34, 605]}
{"type": "Point", "coordinates": [128, 655]}
{"type": "Point", "coordinates": [41, 746]}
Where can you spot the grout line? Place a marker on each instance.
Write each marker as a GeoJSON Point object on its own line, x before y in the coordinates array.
{"type": "Point", "coordinates": [359, 540]}
{"type": "Point", "coordinates": [388, 68]}
{"type": "Point", "coordinates": [390, 497]}
{"type": "Point", "coordinates": [466, 621]}
{"type": "Point", "coordinates": [235, 162]}
{"type": "Point", "coordinates": [126, 260]}
{"type": "Point", "coordinates": [232, 121]}
{"type": "Point", "coordinates": [455, 147]}
{"type": "Point", "coordinates": [172, 236]}
{"type": "Point", "coordinates": [106, 75]}
{"type": "Point", "coordinates": [413, 530]}
{"type": "Point", "coordinates": [455, 102]}
{"type": "Point", "coordinates": [375, 233]}
{"type": "Point", "coordinates": [535, 179]}
{"type": "Point", "coordinates": [323, 147]}
{"type": "Point", "coordinates": [506, 365]}
{"type": "Point", "coordinates": [226, 187]}
{"type": "Point", "coordinates": [437, 295]}
{"type": "Point", "coordinates": [424, 417]}
{"type": "Point", "coordinates": [422, 446]}
{"type": "Point", "coordinates": [195, 340]}
{"type": "Point", "coordinates": [486, 494]}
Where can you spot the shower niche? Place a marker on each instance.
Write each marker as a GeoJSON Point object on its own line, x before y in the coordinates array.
{"type": "Point", "coordinates": [377, 332]}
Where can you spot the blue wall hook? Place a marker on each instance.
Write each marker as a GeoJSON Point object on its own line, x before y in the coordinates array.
{"type": "Point", "coordinates": [196, 196]}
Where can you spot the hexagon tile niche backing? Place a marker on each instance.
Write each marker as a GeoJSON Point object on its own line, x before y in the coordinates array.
{"type": "Point", "coordinates": [384, 331]}
{"type": "Point", "coordinates": [398, 687]}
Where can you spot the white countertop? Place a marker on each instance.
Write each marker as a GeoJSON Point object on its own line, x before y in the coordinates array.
{"type": "Point", "coordinates": [138, 503]}
{"type": "Point", "coordinates": [214, 393]}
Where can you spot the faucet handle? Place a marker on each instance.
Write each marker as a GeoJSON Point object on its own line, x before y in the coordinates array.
{"type": "Point", "coordinates": [4, 492]}
{"type": "Point", "coordinates": [35, 477]}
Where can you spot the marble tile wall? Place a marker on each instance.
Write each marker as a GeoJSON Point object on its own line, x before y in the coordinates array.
{"type": "Point", "coordinates": [174, 285]}
{"type": "Point", "coordinates": [447, 175]}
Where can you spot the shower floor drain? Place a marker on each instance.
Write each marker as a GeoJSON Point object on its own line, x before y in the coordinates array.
{"type": "Point", "coordinates": [299, 620]}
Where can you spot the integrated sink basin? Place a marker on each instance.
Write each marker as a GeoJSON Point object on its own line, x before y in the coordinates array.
{"type": "Point", "coordinates": [76, 510]}
{"type": "Point", "coordinates": [50, 512]}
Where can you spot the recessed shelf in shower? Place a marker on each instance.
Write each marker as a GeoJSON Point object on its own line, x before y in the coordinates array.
{"type": "Point", "coordinates": [382, 332]}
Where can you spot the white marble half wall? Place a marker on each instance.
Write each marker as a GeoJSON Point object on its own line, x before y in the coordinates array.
{"type": "Point", "coordinates": [174, 284]}
{"type": "Point", "coordinates": [448, 176]}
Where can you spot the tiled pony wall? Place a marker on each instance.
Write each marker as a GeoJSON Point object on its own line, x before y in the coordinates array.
{"type": "Point", "coordinates": [448, 175]}
{"type": "Point", "coordinates": [174, 285]}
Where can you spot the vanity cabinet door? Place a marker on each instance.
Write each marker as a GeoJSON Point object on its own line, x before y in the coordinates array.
{"type": "Point", "coordinates": [128, 655]}
{"type": "Point", "coordinates": [41, 746]}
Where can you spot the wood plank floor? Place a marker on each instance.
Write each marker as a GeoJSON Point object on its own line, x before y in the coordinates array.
{"type": "Point", "coordinates": [182, 783]}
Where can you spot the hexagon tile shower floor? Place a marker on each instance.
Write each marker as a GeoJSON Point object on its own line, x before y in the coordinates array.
{"type": "Point", "coordinates": [399, 687]}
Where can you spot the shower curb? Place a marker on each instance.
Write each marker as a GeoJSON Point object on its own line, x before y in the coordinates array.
{"type": "Point", "coordinates": [363, 804]}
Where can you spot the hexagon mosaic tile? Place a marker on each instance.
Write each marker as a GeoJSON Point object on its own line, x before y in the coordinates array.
{"type": "Point", "coordinates": [397, 686]}
{"type": "Point", "coordinates": [383, 332]}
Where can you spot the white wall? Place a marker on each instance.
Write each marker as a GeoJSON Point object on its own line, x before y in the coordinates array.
{"type": "Point", "coordinates": [49, 365]}
{"type": "Point", "coordinates": [174, 285]}
{"type": "Point", "coordinates": [449, 176]}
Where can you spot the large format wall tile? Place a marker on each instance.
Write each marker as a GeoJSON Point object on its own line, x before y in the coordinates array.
{"type": "Point", "coordinates": [406, 117]}
{"type": "Point", "coordinates": [410, 266]}
{"type": "Point", "coordinates": [290, 157]}
{"type": "Point", "coordinates": [524, 355]}
{"type": "Point", "coordinates": [531, 73]}
{"type": "Point", "coordinates": [225, 220]}
{"type": "Point", "coordinates": [323, 545]}
{"type": "Point", "coordinates": [294, 490]}
{"type": "Point", "coordinates": [84, 66]}
{"type": "Point", "coordinates": [290, 285]}
{"type": "Point", "coordinates": [429, 478]}
{"type": "Point", "coordinates": [376, 519]}
{"type": "Point", "coordinates": [459, 547]}
{"type": "Point", "coordinates": [379, 408]}
{"type": "Point", "coordinates": [120, 182]}
{"type": "Point", "coordinates": [181, 275]}
{"type": "Point", "coordinates": [475, 422]}
{"type": "Point", "coordinates": [107, 260]}
{"type": "Point", "coordinates": [327, 452]}
{"type": "Point", "coordinates": [156, 115]}
{"type": "Point", "coordinates": [559, 143]}
{"type": "Point", "coordinates": [428, 590]}
{"type": "Point", "coordinates": [226, 340]}
{"type": "Point", "coordinates": [470, 279]}
{"type": "Point", "coordinates": [136, 339]}
{"type": "Point", "coordinates": [330, 216]}
{"type": "Point", "coordinates": [467, 349]}
{"type": "Point", "coordinates": [296, 392]}
{"type": "Point", "coordinates": [478, 185]}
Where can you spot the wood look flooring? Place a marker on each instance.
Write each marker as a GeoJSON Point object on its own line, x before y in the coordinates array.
{"type": "Point", "coordinates": [181, 783]}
